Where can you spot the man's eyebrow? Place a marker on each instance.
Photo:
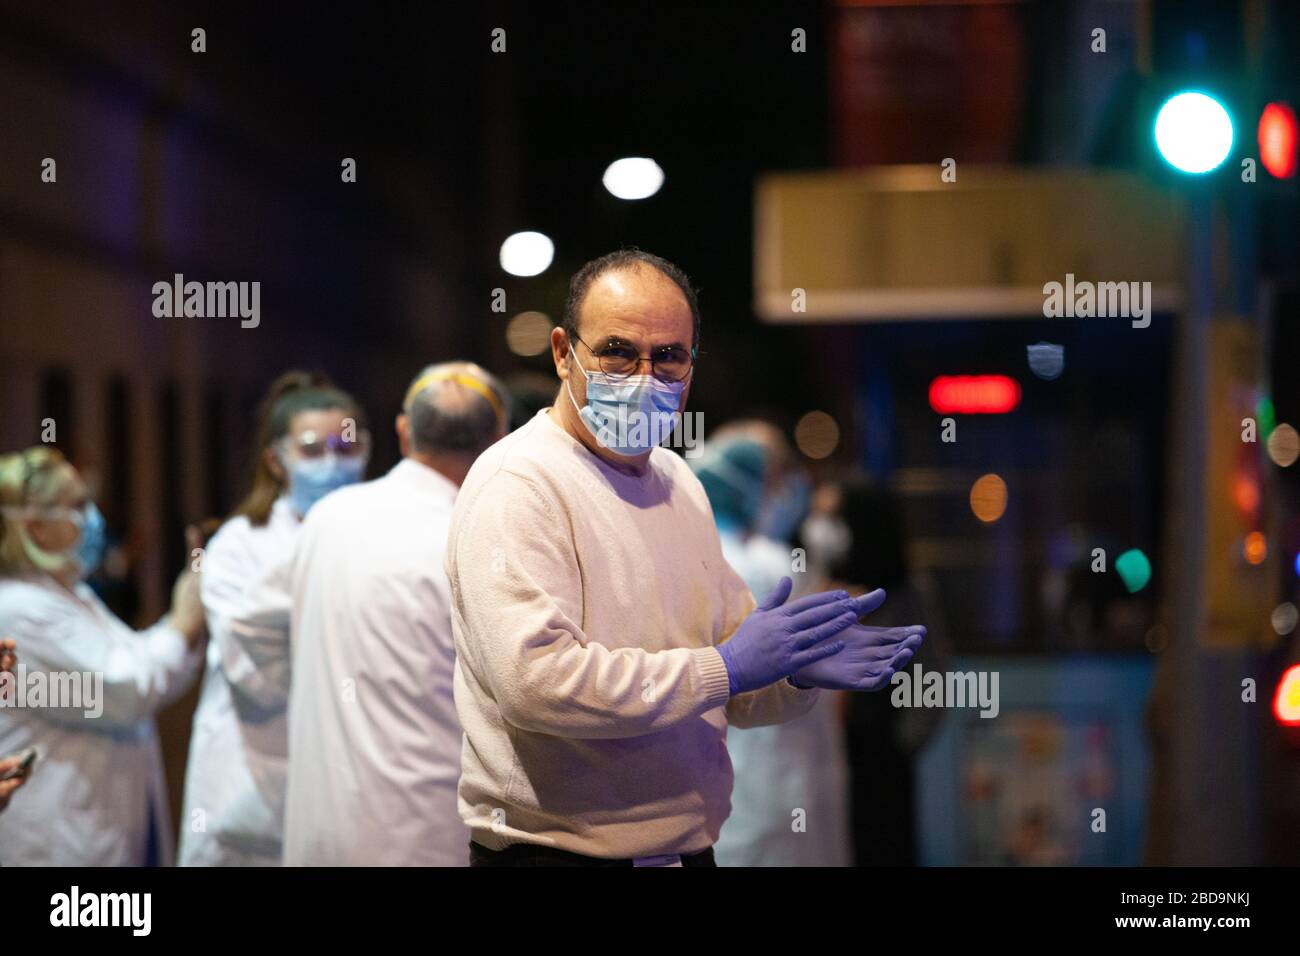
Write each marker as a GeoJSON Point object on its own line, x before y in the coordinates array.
{"type": "Point", "coordinates": [621, 340]}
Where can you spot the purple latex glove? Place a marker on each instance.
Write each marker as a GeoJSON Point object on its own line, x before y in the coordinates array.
{"type": "Point", "coordinates": [870, 657]}
{"type": "Point", "coordinates": [779, 639]}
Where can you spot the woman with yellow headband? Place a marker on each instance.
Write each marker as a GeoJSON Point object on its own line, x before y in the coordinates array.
{"type": "Point", "coordinates": [87, 686]}
{"type": "Point", "coordinates": [311, 440]}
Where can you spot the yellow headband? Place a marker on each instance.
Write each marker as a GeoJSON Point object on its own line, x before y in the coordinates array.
{"type": "Point", "coordinates": [460, 378]}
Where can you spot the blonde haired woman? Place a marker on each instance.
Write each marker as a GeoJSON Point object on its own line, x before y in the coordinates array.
{"type": "Point", "coordinates": [96, 796]}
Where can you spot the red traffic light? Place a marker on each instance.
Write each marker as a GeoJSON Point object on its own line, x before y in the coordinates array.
{"type": "Point", "coordinates": [1277, 140]}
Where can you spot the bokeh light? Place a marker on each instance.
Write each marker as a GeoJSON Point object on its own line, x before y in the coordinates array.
{"type": "Point", "coordinates": [1245, 493]}
{"type": "Point", "coordinates": [1255, 548]}
{"type": "Point", "coordinates": [1193, 132]}
{"type": "Point", "coordinates": [1266, 415]}
{"type": "Point", "coordinates": [527, 254]}
{"type": "Point", "coordinates": [817, 435]}
{"type": "Point", "coordinates": [634, 177]}
{"type": "Point", "coordinates": [1134, 569]}
{"type": "Point", "coordinates": [988, 498]}
{"type": "Point", "coordinates": [1277, 140]}
{"type": "Point", "coordinates": [1286, 705]}
{"type": "Point", "coordinates": [529, 333]}
{"type": "Point", "coordinates": [1284, 445]}
{"type": "Point", "coordinates": [1284, 618]}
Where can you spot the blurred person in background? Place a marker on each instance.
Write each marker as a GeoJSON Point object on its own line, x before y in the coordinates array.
{"type": "Point", "coordinates": [310, 441]}
{"type": "Point", "coordinates": [855, 537]}
{"type": "Point", "coordinates": [797, 767]}
{"type": "Point", "coordinates": [98, 798]}
{"type": "Point", "coordinates": [357, 623]}
{"type": "Point", "coordinates": [530, 392]}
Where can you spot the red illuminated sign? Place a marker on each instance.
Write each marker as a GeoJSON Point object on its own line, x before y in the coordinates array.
{"type": "Point", "coordinates": [974, 394]}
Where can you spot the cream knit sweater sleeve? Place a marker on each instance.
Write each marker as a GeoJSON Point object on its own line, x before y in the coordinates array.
{"type": "Point", "coordinates": [518, 587]}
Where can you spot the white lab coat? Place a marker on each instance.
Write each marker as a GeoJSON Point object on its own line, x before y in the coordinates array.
{"type": "Point", "coordinates": [97, 787]}
{"type": "Point", "coordinates": [798, 765]}
{"type": "Point", "coordinates": [374, 741]}
{"type": "Point", "coordinates": [235, 778]}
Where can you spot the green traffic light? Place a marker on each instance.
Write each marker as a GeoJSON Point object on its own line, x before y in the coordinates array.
{"type": "Point", "coordinates": [1193, 132]}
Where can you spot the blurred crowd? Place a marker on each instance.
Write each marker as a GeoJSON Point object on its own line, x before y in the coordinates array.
{"type": "Point", "coordinates": [318, 617]}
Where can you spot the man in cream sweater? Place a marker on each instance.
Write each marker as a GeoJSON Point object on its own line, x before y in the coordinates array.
{"type": "Point", "coordinates": [603, 645]}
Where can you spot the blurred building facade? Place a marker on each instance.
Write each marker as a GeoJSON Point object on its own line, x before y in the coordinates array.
{"type": "Point", "coordinates": [209, 165]}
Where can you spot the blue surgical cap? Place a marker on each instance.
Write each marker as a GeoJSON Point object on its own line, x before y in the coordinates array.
{"type": "Point", "coordinates": [732, 474]}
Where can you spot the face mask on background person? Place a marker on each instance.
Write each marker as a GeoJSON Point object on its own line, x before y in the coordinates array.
{"type": "Point", "coordinates": [827, 539]}
{"type": "Point", "coordinates": [94, 540]}
{"type": "Point", "coordinates": [311, 479]}
{"type": "Point", "coordinates": [781, 514]}
{"type": "Point", "coordinates": [83, 556]}
{"type": "Point", "coordinates": [630, 415]}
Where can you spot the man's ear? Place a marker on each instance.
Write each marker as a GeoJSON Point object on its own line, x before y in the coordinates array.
{"type": "Point", "coordinates": [403, 427]}
{"type": "Point", "coordinates": [560, 351]}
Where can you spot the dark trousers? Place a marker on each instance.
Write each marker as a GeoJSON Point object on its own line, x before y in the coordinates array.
{"type": "Point", "coordinates": [530, 854]}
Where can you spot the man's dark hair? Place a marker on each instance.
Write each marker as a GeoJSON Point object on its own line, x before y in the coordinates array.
{"type": "Point", "coordinates": [617, 261]}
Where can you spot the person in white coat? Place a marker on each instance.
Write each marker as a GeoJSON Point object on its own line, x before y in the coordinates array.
{"type": "Point", "coordinates": [87, 686]}
{"type": "Point", "coordinates": [358, 627]}
{"type": "Point", "coordinates": [789, 805]}
{"type": "Point", "coordinates": [310, 441]}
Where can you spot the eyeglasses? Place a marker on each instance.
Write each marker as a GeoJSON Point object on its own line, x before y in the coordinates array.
{"type": "Point", "coordinates": [620, 360]}
{"type": "Point", "coordinates": [313, 445]}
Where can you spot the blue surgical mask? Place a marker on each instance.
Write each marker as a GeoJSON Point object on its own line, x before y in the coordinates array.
{"type": "Point", "coordinates": [632, 415]}
{"type": "Point", "coordinates": [311, 479]}
{"type": "Point", "coordinates": [94, 540]}
{"type": "Point", "coordinates": [782, 513]}
{"type": "Point", "coordinates": [828, 539]}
